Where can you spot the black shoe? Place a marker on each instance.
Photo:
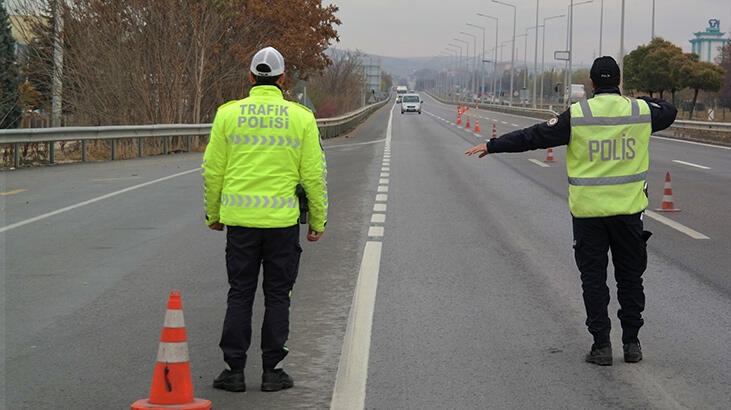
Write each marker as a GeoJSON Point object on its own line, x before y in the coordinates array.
{"type": "Point", "coordinates": [632, 352]}
{"type": "Point", "coordinates": [275, 380]}
{"type": "Point", "coordinates": [601, 355]}
{"type": "Point", "coordinates": [230, 380]}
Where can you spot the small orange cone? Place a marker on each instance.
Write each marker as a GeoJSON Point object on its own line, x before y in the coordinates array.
{"type": "Point", "coordinates": [667, 197]}
{"type": "Point", "coordinates": [549, 155]}
{"type": "Point", "coordinates": [494, 131]}
{"type": "Point", "coordinates": [459, 119]}
{"type": "Point", "coordinates": [468, 122]}
{"type": "Point", "coordinates": [477, 125]}
{"type": "Point", "coordinates": [172, 384]}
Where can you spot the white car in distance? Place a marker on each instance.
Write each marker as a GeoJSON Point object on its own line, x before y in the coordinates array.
{"type": "Point", "coordinates": [411, 103]}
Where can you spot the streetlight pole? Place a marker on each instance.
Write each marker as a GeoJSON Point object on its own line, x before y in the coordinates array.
{"type": "Point", "coordinates": [525, 57]}
{"type": "Point", "coordinates": [473, 74]}
{"type": "Point", "coordinates": [512, 58]}
{"type": "Point", "coordinates": [653, 19]}
{"type": "Point", "coordinates": [601, 25]}
{"type": "Point", "coordinates": [467, 60]}
{"type": "Point", "coordinates": [571, 47]}
{"type": "Point", "coordinates": [535, 58]}
{"type": "Point", "coordinates": [543, 51]}
{"type": "Point", "coordinates": [452, 77]}
{"type": "Point", "coordinates": [494, 68]}
{"type": "Point", "coordinates": [459, 62]}
{"type": "Point", "coordinates": [621, 49]}
{"type": "Point", "coordinates": [502, 45]}
{"type": "Point", "coordinates": [482, 59]}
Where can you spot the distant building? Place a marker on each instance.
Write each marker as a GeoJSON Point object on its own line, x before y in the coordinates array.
{"type": "Point", "coordinates": [707, 44]}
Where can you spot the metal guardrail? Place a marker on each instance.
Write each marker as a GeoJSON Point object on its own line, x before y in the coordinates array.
{"type": "Point", "coordinates": [701, 131]}
{"type": "Point", "coordinates": [703, 125]}
{"type": "Point", "coordinates": [329, 128]}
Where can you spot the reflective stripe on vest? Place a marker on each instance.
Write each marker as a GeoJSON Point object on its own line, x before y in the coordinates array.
{"type": "Point", "coordinates": [258, 201]}
{"type": "Point", "coordinates": [624, 179]}
{"type": "Point", "coordinates": [607, 157]}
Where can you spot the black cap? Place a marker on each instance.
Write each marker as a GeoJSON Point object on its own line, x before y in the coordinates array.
{"type": "Point", "coordinates": [605, 71]}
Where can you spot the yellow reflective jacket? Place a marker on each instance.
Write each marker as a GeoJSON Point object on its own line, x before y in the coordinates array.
{"type": "Point", "coordinates": [607, 157]}
{"type": "Point", "coordinates": [260, 148]}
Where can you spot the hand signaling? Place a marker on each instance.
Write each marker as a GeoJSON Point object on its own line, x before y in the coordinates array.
{"type": "Point", "coordinates": [481, 149]}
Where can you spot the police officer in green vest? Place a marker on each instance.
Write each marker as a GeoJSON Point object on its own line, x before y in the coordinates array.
{"type": "Point", "coordinates": [607, 159]}
{"type": "Point", "coordinates": [260, 149]}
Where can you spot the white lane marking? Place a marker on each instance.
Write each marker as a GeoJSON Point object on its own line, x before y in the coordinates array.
{"type": "Point", "coordinates": [539, 163]}
{"type": "Point", "coordinates": [690, 164]}
{"type": "Point", "coordinates": [353, 144]}
{"type": "Point", "coordinates": [350, 381]}
{"type": "Point", "coordinates": [91, 201]}
{"type": "Point", "coordinates": [675, 225]}
{"type": "Point", "coordinates": [378, 218]}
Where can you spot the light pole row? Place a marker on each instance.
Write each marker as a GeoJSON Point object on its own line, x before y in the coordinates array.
{"type": "Point", "coordinates": [569, 45]}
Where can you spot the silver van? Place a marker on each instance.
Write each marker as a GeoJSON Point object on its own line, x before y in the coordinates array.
{"type": "Point", "coordinates": [411, 103]}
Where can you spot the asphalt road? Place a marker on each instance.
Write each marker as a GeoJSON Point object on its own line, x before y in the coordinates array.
{"type": "Point", "coordinates": [467, 262]}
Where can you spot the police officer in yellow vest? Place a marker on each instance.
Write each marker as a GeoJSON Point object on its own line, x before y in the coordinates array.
{"type": "Point", "coordinates": [607, 159]}
{"type": "Point", "coordinates": [260, 149]}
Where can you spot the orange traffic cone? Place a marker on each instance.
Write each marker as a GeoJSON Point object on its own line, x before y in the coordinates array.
{"type": "Point", "coordinates": [549, 155]}
{"type": "Point", "coordinates": [477, 125]}
{"type": "Point", "coordinates": [459, 119]}
{"type": "Point", "coordinates": [494, 131]}
{"type": "Point", "coordinates": [172, 384]}
{"type": "Point", "coordinates": [667, 197]}
{"type": "Point", "coordinates": [468, 122]}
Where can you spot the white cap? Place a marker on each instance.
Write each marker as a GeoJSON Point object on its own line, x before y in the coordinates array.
{"type": "Point", "coordinates": [267, 62]}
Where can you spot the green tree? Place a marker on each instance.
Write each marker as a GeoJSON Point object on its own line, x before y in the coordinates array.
{"type": "Point", "coordinates": [724, 94]}
{"type": "Point", "coordinates": [10, 112]}
{"type": "Point", "coordinates": [659, 58]}
{"type": "Point", "coordinates": [648, 68]}
{"type": "Point", "coordinates": [704, 76]}
{"type": "Point", "coordinates": [681, 67]}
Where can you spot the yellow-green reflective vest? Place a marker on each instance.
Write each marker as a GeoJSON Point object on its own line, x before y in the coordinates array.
{"type": "Point", "coordinates": [607, 157]}
{"type": "Point", "coordinates": [260, 148]}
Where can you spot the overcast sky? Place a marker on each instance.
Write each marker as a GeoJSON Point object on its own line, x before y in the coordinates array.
{"type": "Point", "coordinates": [424, 28]}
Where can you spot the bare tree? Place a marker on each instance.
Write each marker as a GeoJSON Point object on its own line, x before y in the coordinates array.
{"type": "Point", "coordinates": [167, 61]}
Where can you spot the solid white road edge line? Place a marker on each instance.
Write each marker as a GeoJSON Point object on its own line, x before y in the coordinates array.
{"type": "Point", "coordinates": [91, 201]}
{"type": "Point", "coordinates": [675, 225]}
{"type": "Point", "coordinates": [350, 382]}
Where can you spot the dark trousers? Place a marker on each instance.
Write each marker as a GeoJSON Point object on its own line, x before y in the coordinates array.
{"type": "Point", "coordinates": [247, 250]}
{"type": "Point", "coordinates": [625, 237]}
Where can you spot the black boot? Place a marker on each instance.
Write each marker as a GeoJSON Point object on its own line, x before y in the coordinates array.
{"type": "Point", "coordinates": [230, 380]}
{"type": "Point", "coordinates": [275, 380]}
{"type": "Point", "coordinates": [600, 354]}
{"type": "Point", "coordinates": [632, 352]}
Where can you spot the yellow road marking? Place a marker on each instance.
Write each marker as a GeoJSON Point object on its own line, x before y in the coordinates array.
{"type": "Point", "coordinates": [13, 192]}
{"type": "Point", "coordinates": [114, 179]}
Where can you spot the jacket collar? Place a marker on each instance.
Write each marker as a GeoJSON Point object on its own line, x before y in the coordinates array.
{"type": "Point", "coordinates": [607, 89]}
{"type": "Point", "coordinates": [266, 91]}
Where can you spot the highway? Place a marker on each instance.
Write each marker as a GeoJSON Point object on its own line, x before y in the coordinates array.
{"type": "Point", "coordinates": [442, 281]}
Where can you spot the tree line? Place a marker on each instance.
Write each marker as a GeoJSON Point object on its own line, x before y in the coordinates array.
{"type": "Point", "coordinates": [169, 61]}
{"type": "Point", "coordinates": [661, 66]}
